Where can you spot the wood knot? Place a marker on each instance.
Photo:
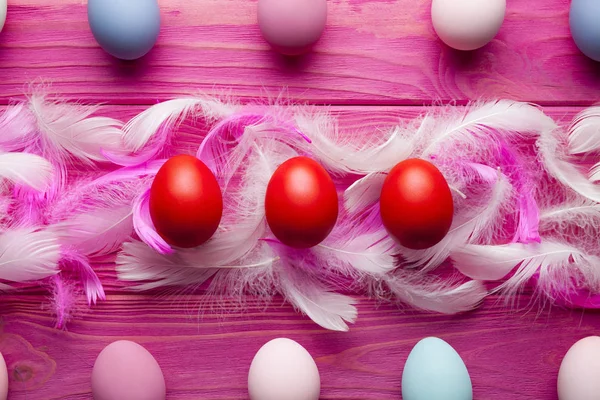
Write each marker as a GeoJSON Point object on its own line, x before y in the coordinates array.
{"type": "Point", "coordinates": [22, 373]}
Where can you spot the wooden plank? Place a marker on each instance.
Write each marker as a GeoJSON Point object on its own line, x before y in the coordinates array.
{"type": "Point", "coordinates": [373, 52]}
{"type": "Point", "coordinates": [207, 355]}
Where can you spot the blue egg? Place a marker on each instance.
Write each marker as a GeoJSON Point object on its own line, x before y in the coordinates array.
{"type": "Point", "coordinates": [584, 19]}
{"type": "Point", "coordinates": [126, 29]}
{"type": "Point", "coordinates": [435, 371]}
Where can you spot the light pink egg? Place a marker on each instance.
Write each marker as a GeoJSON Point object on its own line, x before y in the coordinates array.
{"type": "Point", "coordinates": [467, 24]}
{"type": "Point", "coordinates": [291, 27]}
{"type": "Point", "coordinates": [283, 370]}
{"type": "Point", "coordinates": [3, 378]}
{"type": "Point", "coordinates": [125, 370]}
{"type": "Point", "coordinates": [579, 374]}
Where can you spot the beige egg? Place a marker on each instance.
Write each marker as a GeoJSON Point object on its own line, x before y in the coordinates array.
{"type": "Point", "coordinates": [467, 24]}
{"type": "Point", "coordinates": [579, 374]}
{"type": "Point", "coordinates": [283, 370]}
{"type": "Point", "coordinates": [3, 378]}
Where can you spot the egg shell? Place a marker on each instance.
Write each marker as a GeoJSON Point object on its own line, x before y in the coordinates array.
{"type": "Point", "coordinates": [3, 378]}
{"type": "Point", "coordinates": [467, 24]}
{"type": "Point", "coordinates": [126, 370]}
{"type": "Point", "coordinates": [292, 27]}
{"type": "Point", "coordinates": [125, 29]}
{"type": "Point", "coordinates": [185, 202]}
{"type": "Point", "coordinates": [435, 371]}
{"type": "Point", "coordinates": [301, 203]}
{"type": "Point", "coordinates": [3, 11]}
{"type": "Point", "coordinates": [584, 17]}
{"type": "Point", "coordinates": [579, 374]}
{"type": "Point", "coordinates": [416, 204]}
{"type": "Point", "coordinates": [283, 370]}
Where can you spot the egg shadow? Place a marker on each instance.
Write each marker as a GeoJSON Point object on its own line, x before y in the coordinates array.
{"type": "Point", "coordinates": [292, 64]}
{"type": "Point", "coordinates": [130, 69]}
{"type": "Point", "coordinates": [460, 59]}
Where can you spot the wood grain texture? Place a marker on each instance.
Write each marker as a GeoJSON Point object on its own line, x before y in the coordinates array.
{"type": "Point", "coordinates": [378, 62]}
{"type": "Point", "coordinates": [373, 52]}
{"type": "Point", "coordinates": [207, 355]}
{"type": "Point", "coordinates": [205, 349]}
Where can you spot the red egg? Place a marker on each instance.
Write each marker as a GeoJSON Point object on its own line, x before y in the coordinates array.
{"type": "Point", "coordinates": [301, 203]}
{"type": "Point", "coordinates": [416, 204]}
{"type": "Point", "coordinates": [186, 203]}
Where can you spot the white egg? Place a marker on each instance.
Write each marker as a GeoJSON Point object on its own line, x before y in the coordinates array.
{"type": "Point", "coordinates": [467, 24]}
{"type": "Point", "coordinates": [3, 10]}
{"type": "Point", "coordinates": [283, 370]}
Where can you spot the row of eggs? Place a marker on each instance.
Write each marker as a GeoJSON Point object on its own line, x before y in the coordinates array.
{"type": "Point", "coordinates": [284, 370]}
{"type": "Point", "coordinates": [301, 203]}
{"type": "Point", "coordinates": [129, 29]}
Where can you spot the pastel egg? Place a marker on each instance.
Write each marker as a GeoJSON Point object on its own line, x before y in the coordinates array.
{"type": "Point", "coordinates": [283, 370]}
{"type": "Point", "coordinates": [467, 24]}
{"type": "Point", "coordinates": [435, 371]}
{"type": "Point", "coordinates": [585, 29]}
{"type": "Point", "coordinates": [3, 379]}
{"type": "Point", "coordinates": [126, 370]}
{"type": "Point", "coordinates": [3, 11]}
{"type": "Point", "coordinates": [578, 377]}
{"type": "Point", "coordinates": [125, 29]}
{"type": "Point", "coordinates": [292, 27]}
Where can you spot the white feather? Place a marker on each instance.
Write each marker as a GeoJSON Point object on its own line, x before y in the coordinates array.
{"type": "Point", "coordinates": [560, 266]}
{"type": "Point", "coordinates": [96, 232]}
{"type": "Point", "coordinates": [364, 192]}
{"type": "Point", "coordinates": [140, 129]}
{"type": "Point", "coordinates": [26, 169]}
{"type": "Point", "coordinates": [371, 253]}
{"type": "Point", "coordinates": [329, 310]}
{"type": "Point", "coordinates": [579, 212]}
{"type": "Point", "coordinates": [28, 255]}
{"type": "Point", "coordinates": [475, 227]}
{"type": "Point", "coordinates": [17, 127]}
{"type": "Point", "coordinates": [354, 153]}
{"type": "Point", "coordinates": [556, 163]}
{"type": "Point", "coordinates": [584, 132]}
{"type": "Point", "coordinates": [435, 295]}
{"type": "Point", "coordinates": [509, 117]}
{"type": "Point", "coordinates": [70, 129]}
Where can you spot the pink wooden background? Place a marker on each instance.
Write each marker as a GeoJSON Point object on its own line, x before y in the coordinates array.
{"type": "Point", "coordinates": [378, 61]}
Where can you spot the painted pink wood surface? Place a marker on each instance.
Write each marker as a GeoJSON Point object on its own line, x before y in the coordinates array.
{"type": "Point", "coordinates": [373, 52]}
{"type": "Point", "coordinates": [382, 57]}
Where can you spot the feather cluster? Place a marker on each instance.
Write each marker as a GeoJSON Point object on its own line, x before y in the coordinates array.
{"type": "Point", "coordinates": [74, 189]}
